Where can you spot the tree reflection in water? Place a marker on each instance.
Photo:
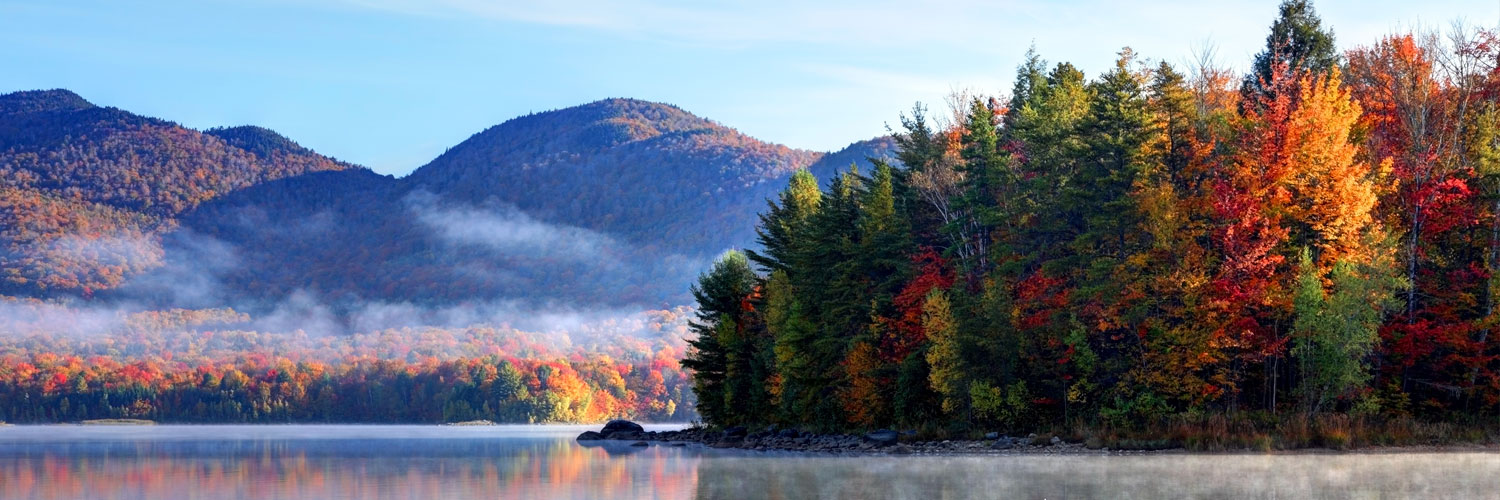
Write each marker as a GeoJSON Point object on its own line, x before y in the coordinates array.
{"type": "Point", "coordinates": [545, 462]}
{"type": "Point", "coordinates": [481, 464]}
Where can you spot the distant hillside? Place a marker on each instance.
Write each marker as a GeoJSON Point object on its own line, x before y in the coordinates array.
{"type": "Point", "coordinates": [85, 190]}
{"type": "Point", "coordinates": [56, 142]}
{"type": "Point", "coordinates": [646, 172]}
{"type": "Point", "coordinates": [881, 148]}
{"type": "Point", "coordinates": [613, 203]}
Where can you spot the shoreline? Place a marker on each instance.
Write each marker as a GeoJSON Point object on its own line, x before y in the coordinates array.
{"type": "Point", "coordinates": [890, 443]}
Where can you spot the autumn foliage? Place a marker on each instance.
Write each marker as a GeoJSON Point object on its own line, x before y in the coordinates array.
{"type": "Point", "coordinates": [203, 366]}
{"type": "Point", "coordinates": [1150, 244]}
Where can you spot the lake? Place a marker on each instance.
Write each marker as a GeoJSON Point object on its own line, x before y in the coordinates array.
{"type": "Point", "coordinates": [432, 462]}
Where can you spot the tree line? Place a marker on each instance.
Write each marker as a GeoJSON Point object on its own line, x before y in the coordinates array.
{"type": "Point", "coordinates": [207, 366]}
{"type": "Point", "coordinates": [1319, 236]}
{"type": "Point", "coordinates": [274, 389]}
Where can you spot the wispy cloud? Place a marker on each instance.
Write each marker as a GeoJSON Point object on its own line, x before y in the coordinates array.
{"type": "Point", "coordinates": [505, 229]}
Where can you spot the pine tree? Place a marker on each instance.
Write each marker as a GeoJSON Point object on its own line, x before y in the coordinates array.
{"type": "Point", "coordinates": [783, 223]}
{"type": "Point", "coordinates": [721, 294]}
{"type": "Point", "coordinates": [834, 293]}
{"type": "Point", "coordinates": [1117, 133]}
{"type": "Point", "coordinates": [1044, 132]}
{"type": "Point", "coordinates": [796, 383]}
{"type": "Point", "coordinates": [885, 242]}
{"type": "Point", "coordinates": [987, 195]}
{"type": "Point", "coordinates": [1298, 45]}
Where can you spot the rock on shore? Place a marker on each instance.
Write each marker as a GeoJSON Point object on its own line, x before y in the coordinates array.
{"type": "Point", "coordinates": [884, 441]}
{"type": "Point", "coordinates": [621, 426]}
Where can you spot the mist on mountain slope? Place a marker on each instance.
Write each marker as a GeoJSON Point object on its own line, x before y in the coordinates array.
{"type": "Point", "coordinates": [546, 222]}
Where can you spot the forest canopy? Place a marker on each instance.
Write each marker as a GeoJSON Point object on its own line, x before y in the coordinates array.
{"type": "Point", "coordinates": [1319, 236]}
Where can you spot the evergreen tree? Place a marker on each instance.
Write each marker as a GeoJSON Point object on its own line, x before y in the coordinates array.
{"type": "Point", "coordinates": [987, 195]}
{"type": "Point", "coordinates": [885, 242]}
{"type": "Point", "coordinates": [721, 294]}
{"type": "Point", "coordinates": [1298, 45]}
{"type": "Point", "coordinates": [914, 402]}
{"type": "Point", "coordinates": [795, 385]}
{"type": "Point", "coordinates": [1031, 78]}
{"type": "Point", "coordinates": [1045, 131]}
{"type": "Point", "coordinates": [1117, 134]}
{"type": "Point", "coordinates": [834, 293]}
{"type": "Point", "coordinates": [783, 223]}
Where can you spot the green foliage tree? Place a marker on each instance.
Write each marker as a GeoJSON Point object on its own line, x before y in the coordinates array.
{"type": "Point", "coordinates": [1336, 332]}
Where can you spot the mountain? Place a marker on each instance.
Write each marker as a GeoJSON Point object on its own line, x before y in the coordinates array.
{"type": "Point", "coordinates": [84, 190]}
{"type": "Point", "coordinates": [58, 143]}
{"type": "Point", "coordinates": [614, 203]}
{"type": "Point", "coordinates": [859, 154]}
{"type": "Point", "coordinates": [649, 173]}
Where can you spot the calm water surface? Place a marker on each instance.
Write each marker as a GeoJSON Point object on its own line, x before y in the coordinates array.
{"type": "Point", "coordinates": [430, 462]}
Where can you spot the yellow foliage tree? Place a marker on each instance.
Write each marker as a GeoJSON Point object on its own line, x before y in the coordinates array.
{"type": "Point", "coordinates": [945, 355]}
{"type": "Point", "coordinates": [1335, 191]}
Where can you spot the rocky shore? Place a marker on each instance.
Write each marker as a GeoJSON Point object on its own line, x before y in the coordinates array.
{"type": "Point", "coordinates": [881, 442]}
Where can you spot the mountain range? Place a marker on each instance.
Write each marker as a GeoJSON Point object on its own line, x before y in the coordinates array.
{"type": "Point", "coordinates": [614, 203]}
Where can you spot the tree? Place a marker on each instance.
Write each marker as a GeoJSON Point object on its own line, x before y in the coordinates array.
{"type": "Point", "coordinates": [885, 241]}
{"type": "Point", "coordinates": [948, 374]}
{"type": "Point", "coordinates": [783, 224]}
{"type": "Point", "coordinates": [720, 293]}
{"type": "Point", "coordinates": [1180, 363]}
{"type": "Point", "coordinates": [1297, 45]}
{"type": "Point", "coordinates": [866, 398]}
{"type": "Point", "coordinates": [1336, 332]}
{"type": "Point", "coordinates": [1407, 111]}
{"type": "Point", "coordinates": [1335, 189]}
{"type": "Point", "coordinates": [1043, 135]}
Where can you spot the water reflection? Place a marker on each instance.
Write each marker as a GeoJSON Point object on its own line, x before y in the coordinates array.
{"type": "Point", "coordinates": [544, 462]}
{"type": "Point", "coordinates": [330, 462]}
{"type": "Point", "coordinates": [1405, 475]}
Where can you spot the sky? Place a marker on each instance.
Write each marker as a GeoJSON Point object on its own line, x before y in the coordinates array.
{"type": "Point", "coordinates": [390, 84]}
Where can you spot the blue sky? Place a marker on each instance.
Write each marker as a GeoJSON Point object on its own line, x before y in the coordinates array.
{"type": "Point", "coordinates": [390, 83]}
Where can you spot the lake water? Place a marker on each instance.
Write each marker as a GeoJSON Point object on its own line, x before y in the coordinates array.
{"type": "Point", "coordinates": [431, 462]}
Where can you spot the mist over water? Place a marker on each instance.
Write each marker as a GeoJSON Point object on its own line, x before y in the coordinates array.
{"type": "Point", "coordinates": [256, 462]}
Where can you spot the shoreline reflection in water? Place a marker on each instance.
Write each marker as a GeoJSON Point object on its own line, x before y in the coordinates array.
{"type": "Point", "coordinates": [256, 462]}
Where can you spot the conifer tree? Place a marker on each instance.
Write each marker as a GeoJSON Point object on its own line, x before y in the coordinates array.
{"type": "Point", "coordinates": [1298, 45]}
{"type": "Point", "coordinates": [721, 294]}
{"type": "Point", "coordinates": [783, 224]}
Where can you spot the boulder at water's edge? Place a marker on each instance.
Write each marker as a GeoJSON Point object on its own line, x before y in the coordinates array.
{"type": "Point", "coordinates": [621, 425]}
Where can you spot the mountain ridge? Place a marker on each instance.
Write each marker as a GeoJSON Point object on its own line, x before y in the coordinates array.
{"type": "Point", "coordinates": [652, 189]}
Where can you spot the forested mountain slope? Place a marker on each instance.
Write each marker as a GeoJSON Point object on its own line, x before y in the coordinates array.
{"type": "Point", "coordinates": [84, 190]}
{"type": "Point", "coordinates": [616, 202]}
